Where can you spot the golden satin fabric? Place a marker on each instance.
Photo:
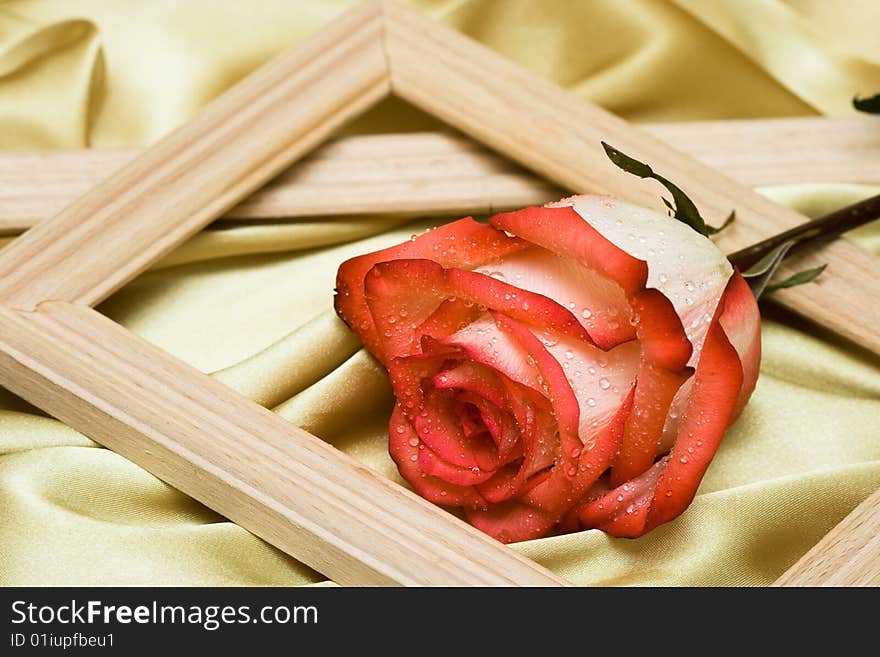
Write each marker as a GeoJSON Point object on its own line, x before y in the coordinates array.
{"type": "Point", "coordinates": [253, 304]}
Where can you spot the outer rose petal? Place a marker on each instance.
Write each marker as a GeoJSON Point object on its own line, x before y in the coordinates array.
{"type": "Point", "coordinates": [511, 522]}
{"type": "Point", "coordinates": [563, 231]}
{"type": "Point", "coordinates": [687, 268]}
{"type": "Point", "coordinates": [662, 371]}
{"type": "Point", "coordinates": [718, 385]}
{"type": "Point", "coordinates": [742, 325]}
{"type": "Point", "coordinates": [598, 303]}
{"type": "Point", "coordinates": [463, 244]}
{"type": "Point", "coordinates": [667, 488]}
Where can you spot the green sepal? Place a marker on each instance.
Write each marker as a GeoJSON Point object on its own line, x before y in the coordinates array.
{"type": "Point", "coordinates": [758, 275]}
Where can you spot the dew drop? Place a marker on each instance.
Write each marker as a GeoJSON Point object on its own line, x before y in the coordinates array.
{"type": "Point", "coordinates": [683, 459]}
{"type": "Point", "coordinates": [569, 354]}
{"type": "Point", "coordinates": [604, 383]}
{"type": "Point", "coordinates": [414, 442]}
{"type": "Point", "coordinates": [586, 313]}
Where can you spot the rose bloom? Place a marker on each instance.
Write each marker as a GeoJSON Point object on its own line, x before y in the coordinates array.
{"type": "Point", "coordinates": [565, 367]}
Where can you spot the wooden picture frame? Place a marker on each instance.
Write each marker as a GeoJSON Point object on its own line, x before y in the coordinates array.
{"type": "Point", "coordinates": [279, 482]}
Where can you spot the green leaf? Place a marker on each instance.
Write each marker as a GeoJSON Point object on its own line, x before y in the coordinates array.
{"type": "Point", "coordinates": [871, 104]}
{"type": "Point", "coordinates": [800, 278]}
{"type": "Point", "coordinates": [681, 206]}
{"type": "Point", "coordinates": [758, 275]}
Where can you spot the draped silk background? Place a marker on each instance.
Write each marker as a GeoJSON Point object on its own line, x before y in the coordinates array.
{"type": "Point", "coordinates": [252, 304]}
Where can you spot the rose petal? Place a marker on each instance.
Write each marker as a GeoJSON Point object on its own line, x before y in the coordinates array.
{"type": "Point", "coordinates": [465, 244]}
{"type": "Point", "coordinates": [596, 302]}
{"type": "Point", "coordinates": [713, 401]}
{"type": "Point", "coordinates": [662, 371]}
{"type": "Point", "coordinates": [741, 321]}
{"type": "Point", "coordinates": [403, 294]}
{"type": "Point", "coordinates": [563, 231]}
{"type": "Point", "coordinates": [622, 511]}
{"type": "Point", "coordinates": [511, 522]}
{"type": "Point", "coordinates": [403, 445]}
{"type": "Point", "coordinates": [685, 266]}
{"type": "Point", "coordinates": [432, 464]}
{"type": "Point", "coordinates": [438, 427]}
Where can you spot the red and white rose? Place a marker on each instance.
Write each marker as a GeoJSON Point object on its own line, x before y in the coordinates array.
{"type": "Point", "coordinates": [565, 367]}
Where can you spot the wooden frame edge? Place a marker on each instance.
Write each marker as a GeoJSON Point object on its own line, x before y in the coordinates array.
{"type": "Point", "coordinates": [447, 174]}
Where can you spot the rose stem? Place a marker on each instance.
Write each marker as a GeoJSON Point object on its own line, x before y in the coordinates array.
{"type": "Point", "coordinates": [812, 232]}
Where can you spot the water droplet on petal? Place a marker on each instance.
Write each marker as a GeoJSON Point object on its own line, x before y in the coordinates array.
{"type": "Point", "coordinates": [604, 383]}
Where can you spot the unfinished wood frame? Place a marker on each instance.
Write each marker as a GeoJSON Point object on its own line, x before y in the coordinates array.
{"type": "Point", "coordinates": [449, 175]}
{"type": "Point", "coordinates": [279, 482]}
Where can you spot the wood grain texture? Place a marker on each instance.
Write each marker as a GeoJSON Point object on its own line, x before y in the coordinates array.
{"type": "Point", "coordinates": [240, 459]}
{"type": "Point", "coordinates": [240, 141]}
{"type": "Point", "coordinates": [557, 135]}
{"type": "Point", "coordinates": [448, 174]}
{"type": "Point", "coordinates": [782, 151]}
{"type": "Point", "coordinates": [849, 555]}
{"type": "Point", "coordinates": [376, 174]}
